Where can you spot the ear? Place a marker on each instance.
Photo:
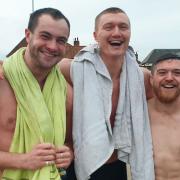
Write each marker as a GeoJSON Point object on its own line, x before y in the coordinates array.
{"type": "Point", "coordinates": [27, 35]}
{"type": "Point", "coordinates": [95, 35]}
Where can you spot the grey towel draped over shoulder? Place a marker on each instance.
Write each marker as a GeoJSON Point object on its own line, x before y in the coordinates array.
{"type": "Point", "coordinates": [94, 140]}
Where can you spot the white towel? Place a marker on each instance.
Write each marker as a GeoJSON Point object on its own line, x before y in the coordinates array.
{"type": "Point", "coordinates": [131, 132]}
{"type": "Point", "coordinates": [94, 141]}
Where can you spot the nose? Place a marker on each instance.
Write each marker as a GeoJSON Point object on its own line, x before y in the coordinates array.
{"type": "Point", "coordinates": [116, 31]}
{"type": "Point", "coordinates": [169, 76]}
{"type": "Point", "coordinates": [52, 45]}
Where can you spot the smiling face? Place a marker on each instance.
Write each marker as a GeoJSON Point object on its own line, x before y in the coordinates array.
{"type": "Point", "coordinates": [47, 43]}
{"type": "Point", "coordinates": [165, 80]}
{"type": "Point", "coordinates": [113, 34]}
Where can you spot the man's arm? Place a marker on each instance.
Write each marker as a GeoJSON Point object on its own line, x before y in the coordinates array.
{"type": "Point", "coordinates": [64, 154]}
{"type": "Point", "coordinates": [147, 84]}
{"type": "Point", "coordinates": [39, 155]}
{"type": "Point", "coordinates": [37, 158]}
{"type": "Point", "coordinates": [1, 70]}
{"type": "Point", "coordinates": [69, 109]}
{"type": "Point", "coordinates": [65, 65]}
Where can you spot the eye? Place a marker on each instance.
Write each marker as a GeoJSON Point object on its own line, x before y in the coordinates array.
{"type": "Point", "coordinates": [161, 73]}
{"type": "Point", "coordinates": [124, 27]}
{"type": "Point", "coordinates": [61, 41]}
{"type": "Point", "coordinates": [108, 27]}
{"type": "Point", "coordinates": [176, 72]}
{"type": "Point", "coordinates": [45, 36]}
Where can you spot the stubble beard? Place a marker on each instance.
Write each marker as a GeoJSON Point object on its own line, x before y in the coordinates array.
{"type": "Point", "coordinates": [165, 97]}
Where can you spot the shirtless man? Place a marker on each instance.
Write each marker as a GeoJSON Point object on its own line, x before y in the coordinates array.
{"type": "Point", "coordinates": [112, 33]}
{"type": "Point", "coordinates": [34, 156]}
{"type": "Point", "coordinates": [165, 117]}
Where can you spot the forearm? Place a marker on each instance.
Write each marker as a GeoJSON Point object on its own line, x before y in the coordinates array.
{"type": "Point", "coordinates": [37, 158]}
{"type": "Point", "coordinates": [11, 160]}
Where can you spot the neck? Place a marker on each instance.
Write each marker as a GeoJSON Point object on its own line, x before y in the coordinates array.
{"type": "Point", "coordinates": [167, 108]}
{"type": "Point", "coordinates": [114, 65]}
{"type": "Point", "coordinates": [39, 73]}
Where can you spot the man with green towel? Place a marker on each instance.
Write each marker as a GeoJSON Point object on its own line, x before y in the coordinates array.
{"type": "Point", "coordinates": [34, 99]}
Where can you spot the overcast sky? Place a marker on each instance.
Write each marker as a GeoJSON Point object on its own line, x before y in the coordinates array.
{"type": "Point", "coordinates": [155, 24]}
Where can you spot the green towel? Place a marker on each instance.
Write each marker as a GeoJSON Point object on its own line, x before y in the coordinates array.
{"type": "Point", "coordinates": [40, 114]}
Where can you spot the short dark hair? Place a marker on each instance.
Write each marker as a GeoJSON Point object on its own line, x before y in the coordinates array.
{"type": "Point", "coordinates": [165, 57]}
{"type": "Point", "coordinates": [112, 10]}
{"type": "Point", "coordinates": [54, 13]}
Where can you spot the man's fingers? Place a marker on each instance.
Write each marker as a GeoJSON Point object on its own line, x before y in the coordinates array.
{"type": "Point", "coordinates": [62, 149]}
{"type": "Point", "coordinates": [49, 158]}
{"type": "Point", "coordinates": [62, 165]}
{"type": "Point", "coordinates": [45, 146]}
{"type": "Point", "coordinates": [49, 163]}
{"type": "Point", "coordinates": [63, 155]}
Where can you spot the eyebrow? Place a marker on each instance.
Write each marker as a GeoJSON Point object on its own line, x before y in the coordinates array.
{"type": "Point", "coordinates": [121, 23]}
{"type": "Point", "coordinates": [163, 69]}
{"type": "Point", "coordinates": [58, 37]}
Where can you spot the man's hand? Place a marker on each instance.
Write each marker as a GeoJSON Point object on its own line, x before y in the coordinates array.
{"type": "Point", "coordinates": [64, 156]}
{"type": "Point", "coordinates": [42, 155]}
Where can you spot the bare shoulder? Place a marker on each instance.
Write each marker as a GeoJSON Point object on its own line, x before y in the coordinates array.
{"type": "Point", "coordinates": [6, 93]}
{"type": "Point", "coordinates": [65, 65]}
{"type": "Point", "coordinates": [4, 86]}
{"type": "Point", "coordinates": [146, 73]}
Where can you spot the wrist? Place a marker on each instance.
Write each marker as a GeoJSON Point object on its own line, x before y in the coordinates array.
{"type": "Point", "coordinates": [20, 161]}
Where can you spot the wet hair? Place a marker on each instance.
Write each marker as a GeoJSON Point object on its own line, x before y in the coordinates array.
{"type": "Point", "coordinates": [54, 13]}
{"type": "Point", "coordinates": [112, 10]}
{"type": "Point", "coordinates": [165, 57]}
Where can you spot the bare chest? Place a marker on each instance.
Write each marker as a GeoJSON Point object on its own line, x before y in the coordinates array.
{"type": "Point", "coordinates": [166, 148]}
{"type": "Point", "coordinates": [166, 135]}
{"type": "Point", "coordinates": [115, 100]}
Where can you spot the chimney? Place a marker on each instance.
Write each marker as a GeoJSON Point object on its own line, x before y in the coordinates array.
{"type": "Point", "coordinates": [76, 42]}
{"type": "Point", "coordinates": [136, 54]}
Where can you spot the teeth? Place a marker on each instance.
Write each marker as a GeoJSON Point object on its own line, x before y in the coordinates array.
{"type": "Point", "coordinates": [168, 86]}
{"type": "Point", "coordinates": [116, 42]}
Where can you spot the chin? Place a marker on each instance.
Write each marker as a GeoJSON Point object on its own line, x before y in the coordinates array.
{"type": "Point", "coordinates": [167, 98]}
{"type": "Point", "coordinates": [117, 55]}
{"type": "Point", "coordinates": [48, 64]}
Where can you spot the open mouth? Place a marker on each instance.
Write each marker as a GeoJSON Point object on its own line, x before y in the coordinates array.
{"type": "Point", "coordinates": [116, 43]}
{"type": "Point", "coordinates": [168, 86]}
